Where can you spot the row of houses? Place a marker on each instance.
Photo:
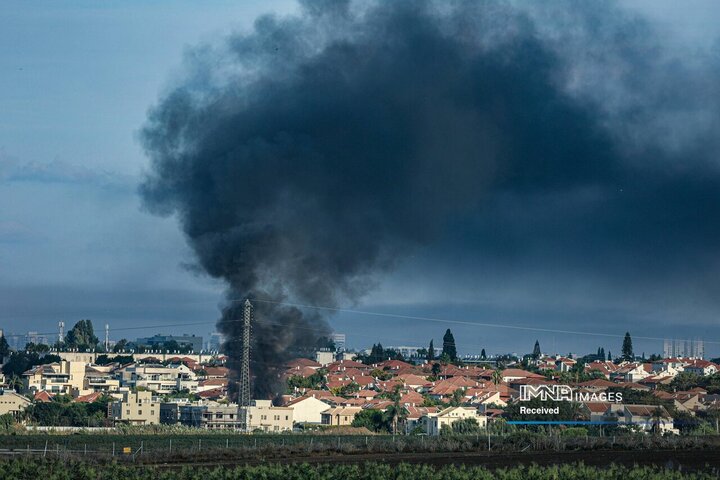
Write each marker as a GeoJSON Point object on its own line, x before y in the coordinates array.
{"type": "Point", "coordinates": [76, 378]}
{"type": "Point", "coordinates": [351, 387]}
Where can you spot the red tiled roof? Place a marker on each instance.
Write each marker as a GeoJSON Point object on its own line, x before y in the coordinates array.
{"type": "Point", "coordinates": [214, 393]}
{"type": "Point", "coordinates": [88, 398]}
{"type": "Point", "coordinates": [598, 383]}
{"type": "Point", "coordinates": [597, 407]}
{"type": "Point", "coordinates": [412, 398]}
{"type": "Point", "coordinates": [220, 382]}
{"type": "Point", "coordinates": [216, 371]}
{"type": "Point", "coordinates": [366, 393]}
{"type": "Point", "coordinates": [517, 372]}
{"type": "Point", "coordinates": [43, 396]}
{"type": "Point", "coordinates": [412, 380]}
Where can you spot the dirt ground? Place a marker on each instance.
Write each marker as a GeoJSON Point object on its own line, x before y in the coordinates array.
{"type": "Point", "coordinates": [683, 460]}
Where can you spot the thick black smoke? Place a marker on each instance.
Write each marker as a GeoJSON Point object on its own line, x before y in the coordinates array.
{"type": "Point", "coordinates": [308, 156]}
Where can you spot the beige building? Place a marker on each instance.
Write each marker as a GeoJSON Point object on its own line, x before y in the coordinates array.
{"type": "Point", "coordinates": [263, 416]}
{"type": "Point", "coordinates": [138, 408]}
{"type": "Point", "coordinates": [339, 416]}
{"type": "Point", "coordinates": [100, 379]}
{"type": "Point", "coordinates": [12, 403]}
{"type": "Point", "coordinates": [308, 409]}
{"type": "Point", "coordinates": [64, 377]}
{"type": "Point", "coordinates": [435, 421]}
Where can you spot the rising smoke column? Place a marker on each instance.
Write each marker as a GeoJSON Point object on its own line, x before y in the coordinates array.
{"type": "Point", "coordinates": [307, 157]}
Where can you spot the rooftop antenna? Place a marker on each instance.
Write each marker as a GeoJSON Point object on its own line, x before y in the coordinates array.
{"type": "Point", "coordinates": [244, 383]}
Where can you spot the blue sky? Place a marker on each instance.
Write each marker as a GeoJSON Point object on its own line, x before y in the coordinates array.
{"type": "Point", "coordinates": [77, 81]}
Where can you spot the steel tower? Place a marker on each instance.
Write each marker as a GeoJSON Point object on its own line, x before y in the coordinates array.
{"type": "Point", "coordinates": [244, 383]}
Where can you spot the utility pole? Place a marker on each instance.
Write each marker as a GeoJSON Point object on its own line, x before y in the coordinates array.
{"type": "Point", "coordinates": [107, 337]}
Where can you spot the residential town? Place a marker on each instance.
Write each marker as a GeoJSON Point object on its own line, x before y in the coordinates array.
{"type": "Point", "coordinates": [377, 390]}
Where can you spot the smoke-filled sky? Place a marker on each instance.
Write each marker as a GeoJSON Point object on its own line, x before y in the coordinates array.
{"type": "Point", "coordinates": [492, 163]}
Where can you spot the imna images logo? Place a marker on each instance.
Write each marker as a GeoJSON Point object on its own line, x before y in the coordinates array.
{"type": "Point", "coordinates": [565, 393]}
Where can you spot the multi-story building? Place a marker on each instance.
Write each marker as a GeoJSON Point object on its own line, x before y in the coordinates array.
{"type": "Point", "coordinates": [263, 416]}
{"type": "Point", "coordinates": [218, 416]}
{"type": "Point", "coordinates": [100, 379]}
{"type": "Point", "coordinates": [215, 342]}
{"type": "Point", "coordinates": [64, 377]}
{"type": "Point", "coordinates": [339, 341]}
{"type": "Point", "coordinates": [158, 378]}
{"type": "Point", "coordinates": [137, 408]}
{"type": "Point", "coordinates": [324, 357]}
{"type": "Point", "coordinates": [674, 348]}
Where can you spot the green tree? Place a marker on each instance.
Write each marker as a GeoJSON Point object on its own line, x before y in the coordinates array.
{"type": "Point", "coordinates": [435, 369]}
{"type": "Point", "coordinates": [431, 352]}
{"type": "Point", "coordinates": [82, 336]}
{"type": "Point", "coordinates": [457, 397]}
{"type": "Point", "coordinates": [686, 381]}
{"type": "Point", "coordinates": [536, 350]}
{"type": "Point", "coordinates": [120, 346]}
{"type": "Point", "coordinates": [609, 356]}
{"type": "Point", "coordinates": [463, 426]}
{"type": "Point", "coordinates": [4, 348]}
{"type": "Point", "coordinates": [449, 345]}
{"type": "Point", "coordinates": [372, 419]}
{"type": "Point", "coordinates": [482, 354]}
{"type": "Point", "coordinates": [7, 423]}
{"type": "Point", "coordinates": [627, 348]}
{"type": "Point", "coordinates": [20, 362]}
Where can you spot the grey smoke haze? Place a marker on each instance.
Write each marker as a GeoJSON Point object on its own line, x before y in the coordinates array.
{"type": "Point", "coordinates": [308, 157]}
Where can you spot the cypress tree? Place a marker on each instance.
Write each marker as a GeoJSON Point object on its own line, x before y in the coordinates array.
{"type": "Point", "coordinates": [627, 348]}
{"type": "Point", "coordinates": [536, 350]}
{"type": "Point", "coordinates": [449, 345]}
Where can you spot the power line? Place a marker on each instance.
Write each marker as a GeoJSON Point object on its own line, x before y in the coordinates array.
{"type": "Point", "coordinates": [388, 315]}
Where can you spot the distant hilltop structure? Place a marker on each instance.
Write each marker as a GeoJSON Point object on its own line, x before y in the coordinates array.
{"type": "Point", "coordinates": [339, 340]}
{"type": "Point", "coordinates": [673, 348]}
{"type": "Point", "coordinates": [159, 341]}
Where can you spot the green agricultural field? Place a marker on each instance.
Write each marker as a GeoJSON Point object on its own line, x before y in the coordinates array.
{"type": "Point", "coordinates": [54, 470]}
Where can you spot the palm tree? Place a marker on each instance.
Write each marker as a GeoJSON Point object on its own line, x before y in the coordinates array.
{"type": "Point", "coordinates": [497, 377]}
{"type": "Point", "coordinates": [657, 416]}
{"type": "Point", "coordinates": [396, 412]}
{"type": "Point", "coordinates": [15, 383]}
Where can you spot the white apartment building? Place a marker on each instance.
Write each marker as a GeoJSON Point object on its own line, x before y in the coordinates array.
{"type": "Point", "coordinates": [158, 378]}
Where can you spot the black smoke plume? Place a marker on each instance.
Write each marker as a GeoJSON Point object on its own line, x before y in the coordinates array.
{"type": "Point", "coordinates": [311, 154]}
